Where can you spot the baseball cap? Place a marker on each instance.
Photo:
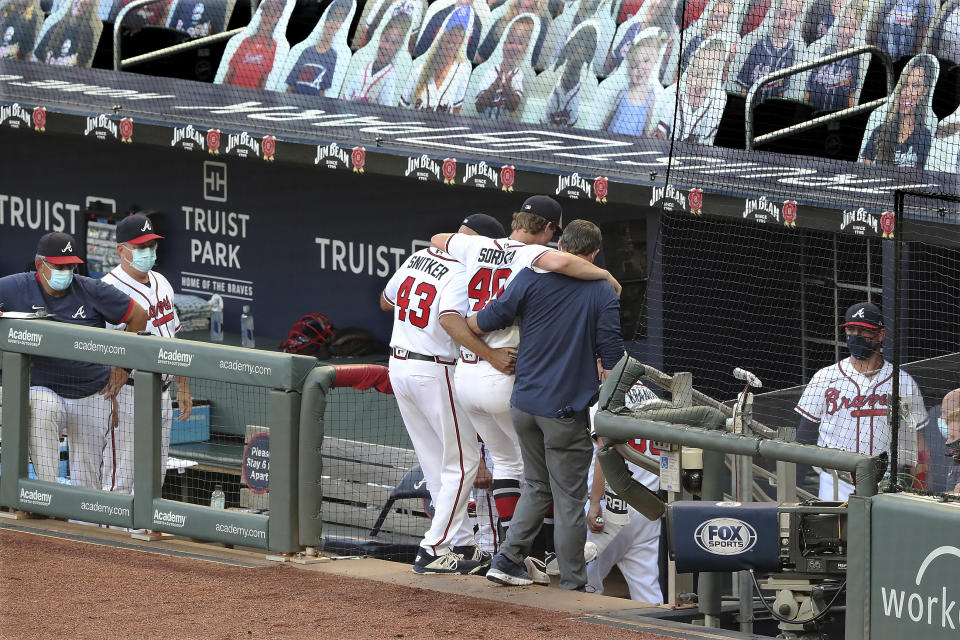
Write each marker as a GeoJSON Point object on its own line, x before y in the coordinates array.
{"type": "Point", "coordinates": [863, 314]}
{"type": "Point", "coordinates": [545, 207]}
{"type": "Point", "coordinates": [136, 229]}
{"type": "Point", "coordinates": [485, 225]}
{"type": "Point", "coordinates": [57, 247]}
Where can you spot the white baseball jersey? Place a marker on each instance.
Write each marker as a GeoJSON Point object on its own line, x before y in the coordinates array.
{"type": "Point", "coordinates": [851, 408]}
{"type": "Point", "coordinates": [430, 284]}
{"type": "Point", "coordinates": [156, 298]}
{"type": "Point", "coordinates": [490, 266]}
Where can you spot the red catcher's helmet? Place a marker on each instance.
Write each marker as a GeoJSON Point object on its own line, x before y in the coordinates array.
{"type": "Point", "coordinates": [309, 336]}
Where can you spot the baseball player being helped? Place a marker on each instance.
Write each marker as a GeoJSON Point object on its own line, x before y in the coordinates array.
{"type": "Point", "coordinates": [483, 391]}
{"type": "Point", "coordinates": [67, 396]}
{"type": "Point", "coordinates": [848, 401]}
{"type": "Point", "coordinates": [428, 297]}
{"type": "Point", "coordinates": [134, 276]}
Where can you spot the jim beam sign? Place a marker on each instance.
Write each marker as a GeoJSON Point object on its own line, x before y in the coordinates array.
{"type": "Point", "coordinates": [332, 156]}
{"type": "Point", "coordinates": [673, 199]}
{"type": "Point", "coordinates": [761, 210]}
{"type": "Point", "coordinates": [481, 175]}
{"type": "Point", "coordinates": [101, 127]}
{"type": "Point", "coordinates": [860, 222]}
{"type": "Point", "coordinates": [574, 187]}
{"type": "Point", "coordinates": [188, 139]}
{"type": "Point", "coordinates": [423, 168]}
{"type": "Point", "coordinates": [242, 145]}
{"type": "Point", "coordinates": [15, 117]}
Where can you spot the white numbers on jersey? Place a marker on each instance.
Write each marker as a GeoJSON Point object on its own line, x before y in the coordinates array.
{"type": "Point", "coordinates": [426, 293]}
{"type": "Point", "coordinates": [485, 285]}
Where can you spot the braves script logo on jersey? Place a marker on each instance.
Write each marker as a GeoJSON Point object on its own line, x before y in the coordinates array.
{"type": "Point", "coordinates": [15, 116]}
{"type": "Point", "coordinates": [861, 406]}
{"type": "Point", "coordinates": [161, 313]}
{"type": "Point", "coordinates": [79, 313]}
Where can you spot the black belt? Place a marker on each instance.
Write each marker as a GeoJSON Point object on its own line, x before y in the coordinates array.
{"type": "Point", "coordinates": [403, 354]}
{"type": "Point", "coordinates": [163, 385]}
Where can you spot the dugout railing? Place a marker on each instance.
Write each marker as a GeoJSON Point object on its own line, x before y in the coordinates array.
{"type": "Point", "coordinates": [295, 431]}
{"type": "Point", "coordinates": [701, 423]}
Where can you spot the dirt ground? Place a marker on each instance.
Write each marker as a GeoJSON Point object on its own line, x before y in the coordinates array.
{"type": "Point", "coordinates": [62, 589]}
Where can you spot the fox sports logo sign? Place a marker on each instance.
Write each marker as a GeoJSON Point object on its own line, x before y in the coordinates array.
{"type": "Point", "coordinates": [725, 536]}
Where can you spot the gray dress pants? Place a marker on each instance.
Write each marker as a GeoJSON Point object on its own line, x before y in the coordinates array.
{"type": "Point", "coordinates": [557, 453]}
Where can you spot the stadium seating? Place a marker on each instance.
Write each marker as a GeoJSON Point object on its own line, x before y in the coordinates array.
{"type": "Point", "coordinates": [389, 73]}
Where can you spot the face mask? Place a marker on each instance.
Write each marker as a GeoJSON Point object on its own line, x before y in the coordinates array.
{"type": "Point", "coordinates": [59, 280]}
{"type": "Point", "coordinates": [143, 259]}
{"type": "Point", "coordinates": [944, 429]}
{"type": "Point", "coordinates": [860, 347]}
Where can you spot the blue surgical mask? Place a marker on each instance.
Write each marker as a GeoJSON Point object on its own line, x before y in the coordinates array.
{"type": "Point", "coordinates": [60, 280]}
{"type": "Point", "coordinates": [861, 347]}
{"type": "Point", "coordinates": [944, 429]}
{"type": "Point", "coordinates": [143, 259]}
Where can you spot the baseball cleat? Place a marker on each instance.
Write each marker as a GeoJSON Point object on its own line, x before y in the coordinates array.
{"type": "Point", "coordinates": [475, 554]}
{"type": "Point", "coordinates": [537, 570]}
{"type": "Point", "coordinates": [551, 564]}
{"type": "Point", "coordinates": [508, 573]}
{"type": "Point", "coordinates": [450, 562]}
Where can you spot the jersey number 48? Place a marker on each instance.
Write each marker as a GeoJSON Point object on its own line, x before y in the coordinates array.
{"type": "Point", "coordinates": [485, 285]}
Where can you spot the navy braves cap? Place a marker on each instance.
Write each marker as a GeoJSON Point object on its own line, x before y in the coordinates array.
{"type": "Point", "coordinates": [485, 225]}
{"type": "Point", "coordinates": [57, 247]}
{"type": "Point", "coordinates": [863, 314]}
{"type": "Point", "coordinates": [136, 229]}
{"type": "Point", "coordinates": [545, 207]}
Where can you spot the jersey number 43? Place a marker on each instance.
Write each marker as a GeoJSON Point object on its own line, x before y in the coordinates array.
{"type": "Point", "coordinates": [420, 315]}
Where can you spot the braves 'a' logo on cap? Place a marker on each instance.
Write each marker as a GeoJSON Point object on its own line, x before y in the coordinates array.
{"type": "Point", "coordinates": [858, 314]}
{"type": "Point", "coordinates": [146, 226]}
{"type": "Point", "coordinates": [69, 247]}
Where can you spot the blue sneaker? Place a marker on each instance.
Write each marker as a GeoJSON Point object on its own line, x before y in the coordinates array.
{"type": "Point", "coordinates": [506, 572]}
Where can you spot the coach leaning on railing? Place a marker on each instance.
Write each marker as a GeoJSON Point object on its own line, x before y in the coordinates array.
{"type": "Point", "coordinates": [68, 396]}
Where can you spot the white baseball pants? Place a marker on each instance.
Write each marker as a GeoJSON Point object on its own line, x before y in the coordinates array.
{"type": "Point", "coordinates": [445, 443]}
{"type": "Point", "coordinates": [118, 452]}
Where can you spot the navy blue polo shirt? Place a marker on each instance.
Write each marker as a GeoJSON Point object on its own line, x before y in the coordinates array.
{"type": "Point", "coordinates": [88, 302]}
{"type": "Point", "coordinates": [565, 324]}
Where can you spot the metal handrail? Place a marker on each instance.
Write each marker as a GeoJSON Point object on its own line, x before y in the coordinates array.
{"type": "Point", "coordinates": [810, 124]}
{"type": "Point", "coordinates": [119, 64]}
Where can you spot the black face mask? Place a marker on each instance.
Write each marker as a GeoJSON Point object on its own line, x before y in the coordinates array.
{"type": "Point", "coordinates": [861, 347]}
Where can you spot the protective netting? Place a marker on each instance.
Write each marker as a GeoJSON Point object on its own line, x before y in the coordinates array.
{"type": "Point", "coordinates": [375, 499]}
{"type": "Point", "coordinates": [224, 441]}
{"type": "Point", "coordinates": [774, 301]}
{"type": "Point", "coordinates": [660, 70]}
